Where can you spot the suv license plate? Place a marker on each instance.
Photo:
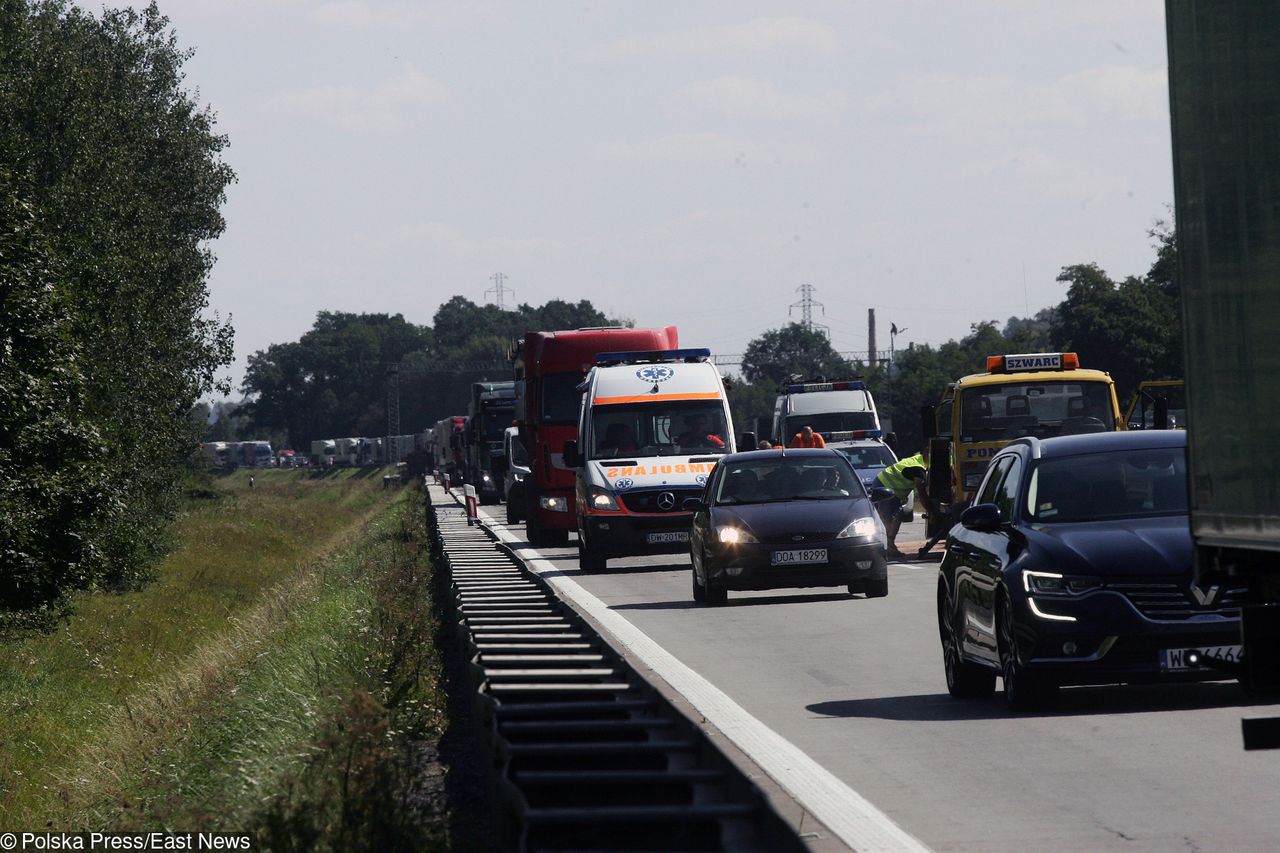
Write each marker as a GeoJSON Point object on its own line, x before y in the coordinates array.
{"type": "Point", "coordinates": [1175, 660]}
{"type": "Point", "coordinates": [800, 557]}
{"type": "Point", "coordinates": [660, 538]}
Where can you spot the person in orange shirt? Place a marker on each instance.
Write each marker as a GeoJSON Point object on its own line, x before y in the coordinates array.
{"type": "Point", "coordinates": [807, 438]}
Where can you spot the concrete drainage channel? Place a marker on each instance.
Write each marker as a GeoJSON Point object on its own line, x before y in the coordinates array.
{"type": "Point", "coordinates": [586, 754]}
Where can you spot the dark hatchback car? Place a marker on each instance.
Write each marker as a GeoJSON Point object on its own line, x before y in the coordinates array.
{"type": "Point", "coordinates": [1073, 566]}
{"type": "Point", "coordinates": [777, 519]}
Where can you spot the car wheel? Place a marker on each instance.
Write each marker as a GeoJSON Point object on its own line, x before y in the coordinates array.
{"type": "Point", "coordinates": [699, 591]}
{"type": "Point", "coordinates": [1023, 690]}
{"type": "Point", "coordinates": [964, 680]}
{"type": "Point", "coordinates": [589, 560]}
{"type": "Point", "coordinates": [857, 587]}
{"type": "Point", "coordinates": [715, 595]}
{"type": "Point", "coordinates": [877, 587]}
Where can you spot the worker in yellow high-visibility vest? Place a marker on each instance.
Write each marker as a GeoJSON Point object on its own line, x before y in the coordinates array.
{"type": "Point", "coordinates": [901, 478]}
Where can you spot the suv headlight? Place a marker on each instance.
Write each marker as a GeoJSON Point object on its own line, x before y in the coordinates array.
{"type": "Point", "coordinates": [602, 500]}
{"type": "Point", "coordinates": [1053, 584]}
{"type": "Point", "coordinates": [859, 528]}
{"type": "Point", "coordinates": [730, 535]}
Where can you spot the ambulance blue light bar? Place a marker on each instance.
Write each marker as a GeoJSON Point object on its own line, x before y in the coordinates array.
{"type": "Point", "coordinates": [849, 385]}
{"type": "Point", "coordinates": [658, 355]}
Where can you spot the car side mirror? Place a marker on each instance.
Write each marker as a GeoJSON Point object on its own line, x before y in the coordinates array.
{"type": "Point", "coordinates": [694, 504]}
{"type": "Point", "coordinates": [880, 493]}
{"type": "Point", "coordinates": [981, 517]}
{"type": "Point", "coordinates": [571, 454]}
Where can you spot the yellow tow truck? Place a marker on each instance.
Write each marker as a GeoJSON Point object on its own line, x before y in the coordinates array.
{"type": "Point", "coordinates": [1025, 394]}
{"type": "Point", "coordinates": [1158, 404]}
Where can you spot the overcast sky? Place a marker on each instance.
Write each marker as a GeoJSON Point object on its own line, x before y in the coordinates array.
{"type": "Point", "coordinates": [680, 162]}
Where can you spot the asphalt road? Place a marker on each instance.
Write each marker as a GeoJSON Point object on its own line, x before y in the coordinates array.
{"type": "Point", "coordinates": [857, 684]}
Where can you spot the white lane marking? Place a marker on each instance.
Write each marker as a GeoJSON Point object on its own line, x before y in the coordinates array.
{"type": "Point", "coordinates": [848, 814]}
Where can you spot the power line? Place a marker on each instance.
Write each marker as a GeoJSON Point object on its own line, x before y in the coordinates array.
{"type": "Point", "coordinates": [806, 304]}
{"type": "Point", "coordinates": [499, 291]}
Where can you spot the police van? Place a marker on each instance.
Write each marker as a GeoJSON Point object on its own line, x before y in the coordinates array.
{"type": "Point", "coordinates": [827, 407]}
{"type": "Point", "coordinates": [651, 428]}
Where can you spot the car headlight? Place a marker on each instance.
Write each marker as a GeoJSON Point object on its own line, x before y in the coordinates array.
{"type": "Point", "coordinates": [730, 535]}
{"type": "Point", "coordinates": [553, 503]}
{"type": "Point", "coordinates": [859, 528]}
{"type": "Point", "coordinates": [602, 500]}
{"type": "Point", "coordinates": [1053, 584]}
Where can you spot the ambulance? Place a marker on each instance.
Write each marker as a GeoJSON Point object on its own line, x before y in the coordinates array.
{"type": "Point", "coordinates": [651, 428]}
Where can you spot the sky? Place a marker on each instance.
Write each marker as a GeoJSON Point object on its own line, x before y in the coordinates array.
{"type": "Point", "coordinates": [680, 162]}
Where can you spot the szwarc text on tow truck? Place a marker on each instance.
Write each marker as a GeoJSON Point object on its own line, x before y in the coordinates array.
{"type": "Point", "coordinates": [652, 426]}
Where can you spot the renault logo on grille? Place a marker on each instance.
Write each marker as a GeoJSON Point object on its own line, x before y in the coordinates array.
{"type": "Point", "coordinates": [666, 500]}
{"type": "Point", "coordinates": [1204, 597]}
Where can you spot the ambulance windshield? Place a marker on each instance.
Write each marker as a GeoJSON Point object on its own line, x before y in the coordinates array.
{"type": "Point", "coordinates": [658, 429]}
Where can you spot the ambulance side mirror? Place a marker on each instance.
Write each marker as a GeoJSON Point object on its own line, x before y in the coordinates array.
{"type": "Point", "coordinates": [571, 454]}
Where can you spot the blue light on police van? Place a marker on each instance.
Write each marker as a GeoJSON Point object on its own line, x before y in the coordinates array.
{"type": "Point", "coordinates": [810, 387]}
{"type": "Point", "coordinates": [609, 358]}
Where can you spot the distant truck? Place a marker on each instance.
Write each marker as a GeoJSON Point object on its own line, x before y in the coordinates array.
{"type": "Point", "coordinates": [255, 454]}
{"type": "Point", "coordinates": [651, 428]}
{"type": "Point", "coordinates": [217, 454]}
{"type": "Point", "coordinates": [1224, 61]}
{"type": "Point", "coordinates": [324, 453]}
{"type": "Point", "coordinates": [1025, 394]}
{"type": "Point", "coordinates": [347, 451]}
{"type": "Point", "coordinates": [549, 367]}
{"type": "Point", "coordinates": [491, 411]}
{"type": "Point", "coordinates": [827, 407]}
{"type": "Point", "coordinates": [446, 446]}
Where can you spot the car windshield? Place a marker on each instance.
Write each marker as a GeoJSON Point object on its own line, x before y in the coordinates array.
{"type": "Point", "coordinates": [1116, 484]}
{"type": "Point", "coordinates": [868, 455]}
{"type": "Point", "coordinates": [826, 422]}
{"type": "Point", "coordinates": [1041, 409]}
{"type": "Point", "coordinates": [658, 429]}
{"type": "Point", "coordinates": [786, 479]}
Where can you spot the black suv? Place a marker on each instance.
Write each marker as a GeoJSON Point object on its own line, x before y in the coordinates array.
{"type": "Point", "coordinates": [1073, 566]}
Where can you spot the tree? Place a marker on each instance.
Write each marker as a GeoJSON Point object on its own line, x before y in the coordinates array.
{"type": "Point", "coordinates": [1132, 330]}
{"type": "Point", "coordinates": [123, 173]}
{"type": "Point", "coordinates": [334, 380]}
{"type": "Point", "coordinates": [794, 350]}
{"type": "Point", "coordinates": [54, 488]}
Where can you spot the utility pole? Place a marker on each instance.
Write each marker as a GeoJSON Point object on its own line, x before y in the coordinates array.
{"type": "Point", "coordinates": [894, 331]}
{"type": "Point", "coordinates": [499, 291]}
{"type": "Point", "coordinates": [393, 409]}
{"type": "Point", "coordinates": [806, 304]}
{"type": "Point", "coordinates": [871, 337]}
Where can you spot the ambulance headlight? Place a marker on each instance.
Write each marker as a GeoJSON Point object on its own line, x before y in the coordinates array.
{"type": "Point", "coordinates": [602, 500]}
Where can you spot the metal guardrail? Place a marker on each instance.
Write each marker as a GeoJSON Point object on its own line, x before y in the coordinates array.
{"type": "Point", "coordinates": [586, 755]}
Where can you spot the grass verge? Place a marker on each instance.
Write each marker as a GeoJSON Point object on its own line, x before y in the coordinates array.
{"type": "Point", "coordinates": [280, 677]}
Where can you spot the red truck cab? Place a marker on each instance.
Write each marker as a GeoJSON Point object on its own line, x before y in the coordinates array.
{"type": "Point", "coordinates": [549, 368]}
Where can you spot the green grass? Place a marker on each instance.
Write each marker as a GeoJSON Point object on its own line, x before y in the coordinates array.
{"type": "Point", "coordinates": [194, 696]}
